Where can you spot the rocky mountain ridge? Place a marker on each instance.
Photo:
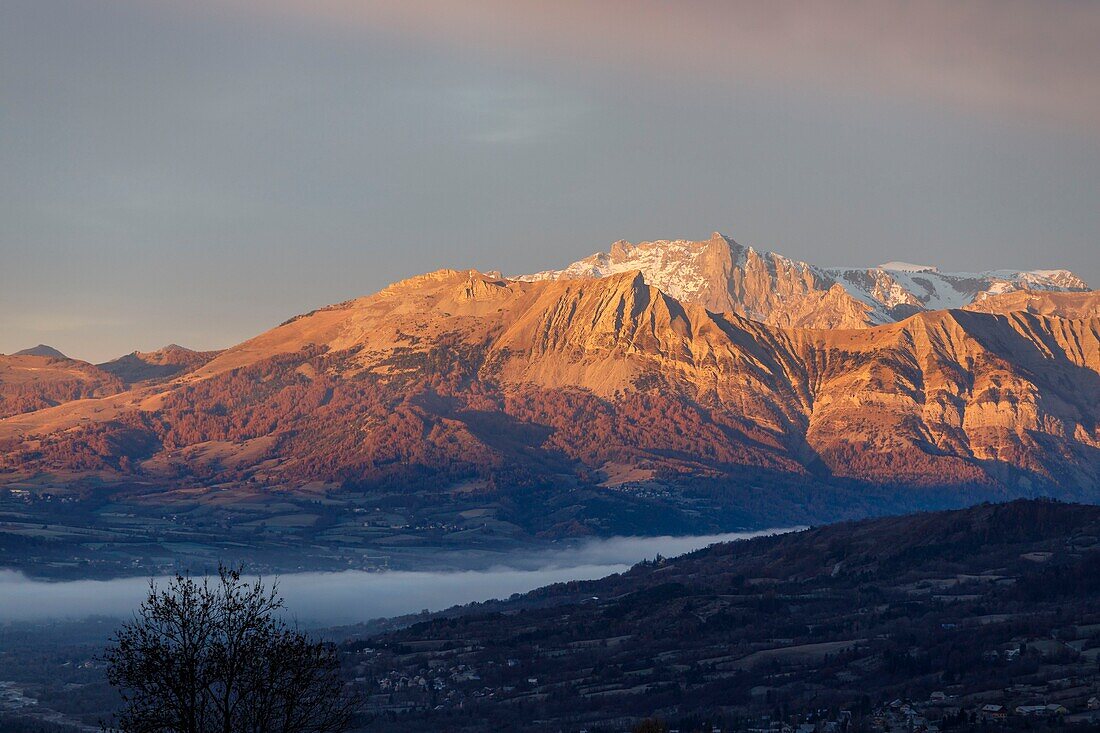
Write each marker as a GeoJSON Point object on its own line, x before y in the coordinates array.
{"type": "Point", "coordinates": [456, 377]}
{"type": "Point", "coordinates": [724, 276]}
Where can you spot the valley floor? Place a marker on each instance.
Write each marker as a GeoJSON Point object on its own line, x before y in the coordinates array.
{"type": "Point", "coordinates": [980, 619]}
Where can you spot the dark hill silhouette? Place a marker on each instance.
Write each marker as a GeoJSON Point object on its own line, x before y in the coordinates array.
{"type": "Point", "coordinates": [850, 615]}
{"type": "Point", "coordinates": [41, 350]}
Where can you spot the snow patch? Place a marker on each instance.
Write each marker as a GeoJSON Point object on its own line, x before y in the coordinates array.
{"type": "Point", "coordinates": [890, 291]}
{"type": "Point", "coordinates": [671, 266]}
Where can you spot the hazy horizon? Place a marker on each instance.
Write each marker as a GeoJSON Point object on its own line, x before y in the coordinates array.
{"type": "Point", "coordinates": [199, 172]}
{"type": "Point", "coordinates": [352, 596]}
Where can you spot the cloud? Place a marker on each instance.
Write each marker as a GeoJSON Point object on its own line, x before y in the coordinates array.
{"type": "Point", "coordinates": [1037, 59]}
{"type": "Point", "coordinates": [355, 596]}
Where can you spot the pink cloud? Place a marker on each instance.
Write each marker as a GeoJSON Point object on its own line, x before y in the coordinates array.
{"type": "Point", "coordinates": [1039, 59]}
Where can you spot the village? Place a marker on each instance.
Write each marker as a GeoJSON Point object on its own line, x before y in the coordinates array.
{"type": "Point", "coordinates": [735, 637]}
{"type": "Point", "coordinates": [444, 683]}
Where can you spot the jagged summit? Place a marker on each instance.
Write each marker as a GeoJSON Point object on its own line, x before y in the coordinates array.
{"type": "Point", "coordinates": [724, 276]}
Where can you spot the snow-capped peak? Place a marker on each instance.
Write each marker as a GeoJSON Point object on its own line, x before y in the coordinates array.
{"type": "Point", "coordinates": [672, 265]}
{"type": "Point", "coordinates": [722, 275]}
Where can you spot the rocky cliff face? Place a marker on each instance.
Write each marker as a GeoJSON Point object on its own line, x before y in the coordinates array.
{"type": "Point", "coordinates": [1043, 303]}
{"type": "Point", "coordinates": [458, 374]}
{"type": "Point", "coordinates": [723, 276]}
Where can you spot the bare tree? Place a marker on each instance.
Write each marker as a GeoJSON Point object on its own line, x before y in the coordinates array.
{"type": "Point", "coordinates": [213, 656]}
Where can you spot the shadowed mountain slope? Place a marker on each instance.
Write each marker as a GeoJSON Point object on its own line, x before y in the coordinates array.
{"type": "Point", "coordinates": [996, 603]}
{"type": "Point", "coordinates": [164, 363]}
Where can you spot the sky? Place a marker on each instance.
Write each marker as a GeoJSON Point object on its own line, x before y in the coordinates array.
{"type": "Point", "coordinates": [197, 171]}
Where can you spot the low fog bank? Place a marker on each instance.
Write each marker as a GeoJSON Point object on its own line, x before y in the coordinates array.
{"type": "Point", "coordinates": [353, 596]}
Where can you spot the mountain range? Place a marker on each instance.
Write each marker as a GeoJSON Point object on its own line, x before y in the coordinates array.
{"type": "Point", "coordinates": [654, 367]}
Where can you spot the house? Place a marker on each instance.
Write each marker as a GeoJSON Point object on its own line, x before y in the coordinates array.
{"type": "Point", "coordinates": [992, 712]}
{"type": "Point", "coordinates": [1094, 703]}
{"type": "Point", "coordinates": [938, 696]}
